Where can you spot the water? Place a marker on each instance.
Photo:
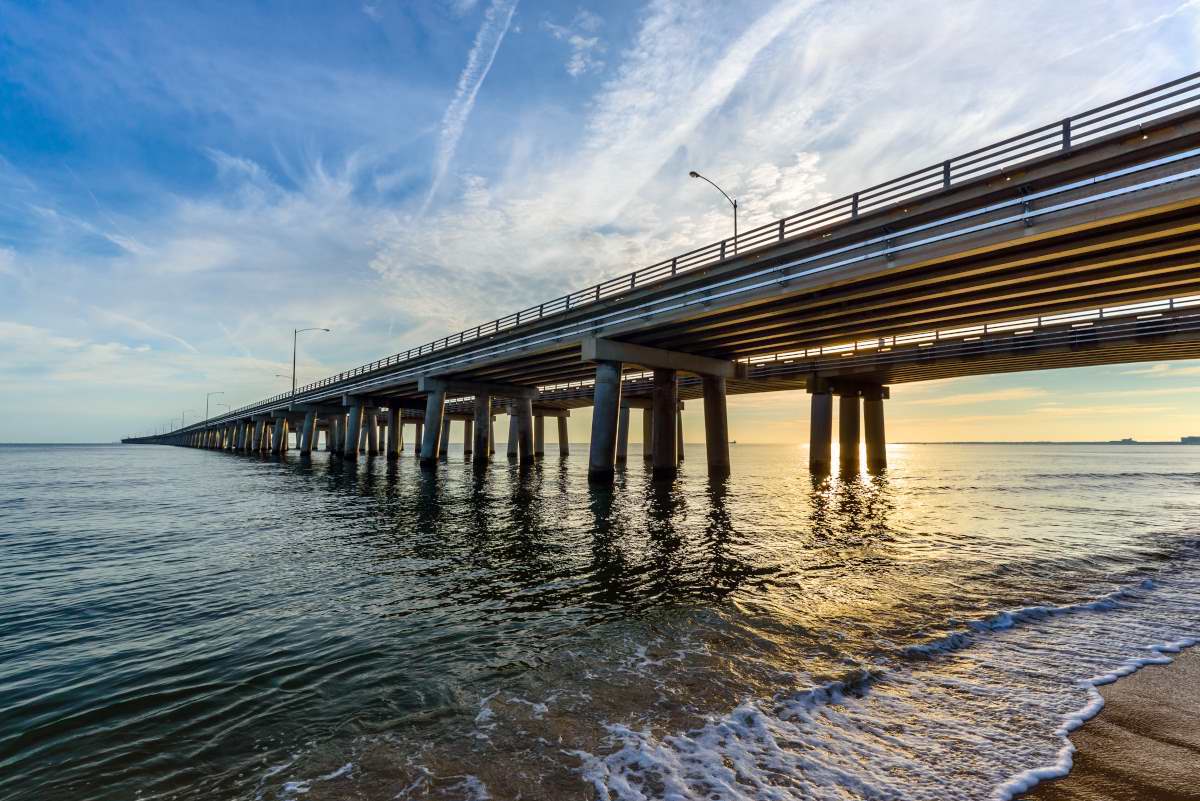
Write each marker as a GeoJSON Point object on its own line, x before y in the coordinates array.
{"type": "Point", "coordinates": [183, 624]}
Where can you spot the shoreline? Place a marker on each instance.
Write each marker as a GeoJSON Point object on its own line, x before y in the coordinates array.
{"type": "Point", "coordinates": [1137, 739]}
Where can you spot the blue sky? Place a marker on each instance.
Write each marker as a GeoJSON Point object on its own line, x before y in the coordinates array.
{"type": "Point", "coordinates": [182, 184]}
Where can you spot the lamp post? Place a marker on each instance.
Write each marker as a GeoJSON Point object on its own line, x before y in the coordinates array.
{"type": "Point", "coordinates": [732, 202]}
{"type": "Point", "coordinates": [183, 417]}
{"type": "Point", "coordinates": [206, 397]}
{"type": "Point", "coordinates": [296, 332]}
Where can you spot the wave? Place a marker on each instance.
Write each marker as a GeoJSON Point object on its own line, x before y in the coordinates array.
{"type": "Point", "coordinates": [986, 709]}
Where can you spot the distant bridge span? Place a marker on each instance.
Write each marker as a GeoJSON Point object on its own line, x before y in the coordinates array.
{"type": "Point", "coordinates": [1073, 244]}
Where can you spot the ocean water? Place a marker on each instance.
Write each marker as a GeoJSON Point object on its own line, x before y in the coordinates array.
{"type": "Point", "coordinates": [180, 624]}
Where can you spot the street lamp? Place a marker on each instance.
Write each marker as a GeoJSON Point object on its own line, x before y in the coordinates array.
{"type": "Point", "coordinates": [183, 417]}
{"type": "Point", "coordinates": [732, 202]}
{"type": "Point", "coordinates": [296, 332]}
{"type": "Point", "coordinates": [206, 397]}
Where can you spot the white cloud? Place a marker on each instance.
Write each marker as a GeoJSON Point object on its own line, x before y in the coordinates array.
{"type": "Point", "coordinates": [989, 396]}
{"type": "Point", "coordinates": [1165, 369]}
{"type": "Point", "coordinates": [8, 262]}
{"type": "Point", "coordinates": [479, 62]}
{"type": "Point", "coordinates": [580, 35]}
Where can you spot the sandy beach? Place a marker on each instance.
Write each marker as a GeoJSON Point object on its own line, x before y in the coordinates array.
{"type": "Point", "coordinates": [1144, 745]}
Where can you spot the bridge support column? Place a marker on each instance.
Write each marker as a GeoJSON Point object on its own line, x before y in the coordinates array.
{"type": "Point", "coordinates": [419, 437]}
{"type": "Point", "coordinates": [679, 434]}
{"type": "Point", "coordinates": [623, 435]}
{"type": "Point", "coordinates": [716, 426]}
{"type": "Point", "coordinates": [524, 408]}
{"type": "Point", "coordinates": [665, 428]}
{"type": "Point", "coordinates": [481, 448]}
{"type": "Point", "coordinates": [820, 431]}
{"type": "Point", "coordinates": [444, 449]}
{"type": "Point", "coordinates": [353, 431]}
{"type": "Point", "coordinates": [395, 434]}
{"type": "Point", "coordinates": [372, 422]}
{"type": "Point", "coordinates": [239, 435]}
{"type": "Point", "coordinates": [248, 436]}
{"type": "Point", "coordinates": [606, 411]}
{"type": "Point", "coordinates": [849, 430]}
{"type": "Point", "coordinates": [873, 428]}
{"type": "Point", "coordinates": [564, 441]}
{"type": "Point", "coordinates": [337, 431]}
{"type": "Point", "coordinates": [435, 410]}
{"type": "Point", "coordinates": [256, 441]}
{"type": "Point", "coordinates": [468, 437]}
{"type": "Point", "coordinates": [539, 437]}
{"type": "Point", "coordinates": [308, 432]}
{"type": "Point", "coordinates": [648, 434]}
{"type": "Point", "coordinates": [513, 436]}
{"type": "Point", "coordinates": [278, 432]}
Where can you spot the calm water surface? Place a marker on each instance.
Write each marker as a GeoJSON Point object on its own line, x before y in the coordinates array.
{"type": "Point", "coordinates": [188, 624]}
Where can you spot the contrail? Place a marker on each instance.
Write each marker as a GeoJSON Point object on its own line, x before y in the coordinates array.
{"type": "Point", "coordinates": [487, 42]}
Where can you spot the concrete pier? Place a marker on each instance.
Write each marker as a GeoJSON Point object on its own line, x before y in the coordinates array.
{"type": "Point", "coordinates": [418, 437]}
{"type": "Point", "coordinates": [820, 432]}
{"type": "Point", "coordinates": [648, 434]}
{"type": "Point", "coordinates": [623, 435]}
{"type": "Point", "coordinates": [395, 432]}
{"type": "Point", "coordinates": [353, 430]}
{"type": "Point", "coordinates": [564, 440]}
{"type": "Point", "coordinates": [524, 409]}
{"type": "Point", "coordinates": [513, 437]}
{"type": "Point", "coordinates": [873, 429]}
{"type": "Point", "coordinates": [849, 430]}
{"type": "Point", "coordinates": [539, 436]}
{"type": "Point", "coordinates": [372, 426]}
{"type": "Point", "coordinates": [679, 434]}
{"type": "Point", "coordinates": [260, 427]}
{"type": "Point", "coordinates": [481, 448]}
{"type": "Point", "coordinates": [665, 428]}
{"type": "Point", "coordinates": [716, 426]}
{"type": "Point", "coordinates": [435, 410]}
{"type": "Point", "coordinates": [468, 437]}
{"type": "Point", "coordinates": [309, 432]}
{"type": "Point", "coordinates": [606, 411]}
{"type": "Point", "coordinates": [444, 447]}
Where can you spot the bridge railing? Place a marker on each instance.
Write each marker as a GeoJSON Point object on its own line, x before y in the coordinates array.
{"type": "Point", "coordinates": [1132, 112]}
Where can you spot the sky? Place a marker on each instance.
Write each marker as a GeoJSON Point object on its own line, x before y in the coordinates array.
{"type": "Point", "coordinates": [182, 184]}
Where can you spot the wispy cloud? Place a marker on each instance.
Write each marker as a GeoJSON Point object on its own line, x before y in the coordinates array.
{"type": "Point", "coordinates": [140, 327]}
{"type": "Point", "coordinates": [1165, 369]}
{"type": "Point", "coordinates": [488, 39]}
{"type": "Point", "coordinates": [990, 396]}
{"type": "Point", "coordinates": [580, 34]}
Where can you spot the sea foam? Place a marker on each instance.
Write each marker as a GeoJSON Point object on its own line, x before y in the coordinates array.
{"type": "Point", "coordinates": [985, 709]}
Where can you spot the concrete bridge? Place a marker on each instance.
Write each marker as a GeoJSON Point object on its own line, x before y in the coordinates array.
{"type": "Point", "coordinates": [1073, 244]}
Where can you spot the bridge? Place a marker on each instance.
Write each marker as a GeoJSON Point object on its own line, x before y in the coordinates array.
{"type": "Point", "coordinates": [1072, 244]}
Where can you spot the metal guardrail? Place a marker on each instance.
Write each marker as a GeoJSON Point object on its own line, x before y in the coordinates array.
{"type": "Point", "coordinates": [1132, 112]}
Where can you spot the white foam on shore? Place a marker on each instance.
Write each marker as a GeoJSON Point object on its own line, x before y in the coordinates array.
{"type": "Point", "coordinates": [985, 710]}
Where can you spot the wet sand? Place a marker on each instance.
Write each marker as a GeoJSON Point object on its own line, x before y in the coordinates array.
{"type": "Point", "coordinates": [1144, 745]}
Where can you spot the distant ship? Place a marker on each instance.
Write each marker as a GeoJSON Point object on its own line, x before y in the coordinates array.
{"type": "Point", "coordinates": [1126, 441]}
{"type": "Point", "coordinates": [1189, 440]}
